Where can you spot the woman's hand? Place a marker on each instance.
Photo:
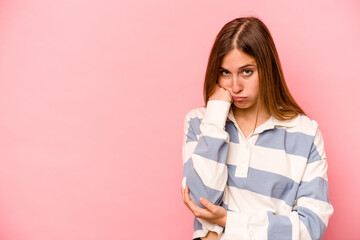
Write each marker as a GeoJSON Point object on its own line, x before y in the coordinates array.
{"type": "Point", "coordinates": [212, 213]}
{"type": "Point", "coordinates": [221, 94]}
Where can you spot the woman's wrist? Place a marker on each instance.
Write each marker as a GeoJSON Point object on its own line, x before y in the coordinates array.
{"type": "Point", "coordinates": [224, 220]}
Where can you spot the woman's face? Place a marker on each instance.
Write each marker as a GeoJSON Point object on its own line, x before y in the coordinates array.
{"type": "Point", "coordinates": [238, 74]}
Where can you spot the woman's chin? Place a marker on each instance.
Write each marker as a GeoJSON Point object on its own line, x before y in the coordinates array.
{"type": "Point", "coordinates": [244, 105]}
{"type": "Point", "coordinates": [241, 105]}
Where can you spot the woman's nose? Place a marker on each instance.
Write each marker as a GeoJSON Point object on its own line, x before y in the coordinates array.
{"type": "Point", "coordinates": [237, 85]}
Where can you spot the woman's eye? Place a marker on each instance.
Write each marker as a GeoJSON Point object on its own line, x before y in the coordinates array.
{"type": "Point", "coordinates": [224, 72]}
{"type": "Point", "coordinates": [247, 72]}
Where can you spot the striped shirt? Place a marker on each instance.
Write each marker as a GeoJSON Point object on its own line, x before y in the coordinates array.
{"type": "Point", "coordinates": [273, 183]}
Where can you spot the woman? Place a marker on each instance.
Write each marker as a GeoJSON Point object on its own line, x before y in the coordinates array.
{"type": "Point", "coordinates": [254, 163]}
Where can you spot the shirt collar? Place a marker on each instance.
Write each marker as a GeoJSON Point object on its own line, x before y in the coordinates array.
{"type": "Point", "coordinates": [284, 123]}
{"type": "Point", "coordinates": [271, 123]}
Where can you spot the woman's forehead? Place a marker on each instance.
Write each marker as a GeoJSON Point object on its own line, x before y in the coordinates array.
{"type": "Point", "coordinates": [237, 59]}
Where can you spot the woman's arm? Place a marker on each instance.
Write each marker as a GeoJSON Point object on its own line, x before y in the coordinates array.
{"type": "Point", "coordinates": [212, 213]}
{"type": "Point", "coordinates": [205, 149]}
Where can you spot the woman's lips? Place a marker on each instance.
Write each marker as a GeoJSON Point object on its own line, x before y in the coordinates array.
{"type": "Point", "coordinates": [239, 98]}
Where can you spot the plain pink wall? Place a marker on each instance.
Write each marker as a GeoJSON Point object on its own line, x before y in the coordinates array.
{"type": "Point", "coordinates": [93, 96]}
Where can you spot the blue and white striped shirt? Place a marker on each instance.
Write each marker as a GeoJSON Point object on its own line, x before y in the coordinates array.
{"type": "Point", "coordinates": [273, 183]}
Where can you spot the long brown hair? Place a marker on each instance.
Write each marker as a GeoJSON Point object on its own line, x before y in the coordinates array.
{"type": "Point", "coordinates": [250, 35]}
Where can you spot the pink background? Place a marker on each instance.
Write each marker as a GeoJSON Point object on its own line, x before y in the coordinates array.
{"type": "Point", "coordinates": [93, 96]}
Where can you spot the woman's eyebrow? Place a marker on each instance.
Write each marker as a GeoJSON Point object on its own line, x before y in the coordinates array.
{"type": "Point", "coordinates": [246, 65]}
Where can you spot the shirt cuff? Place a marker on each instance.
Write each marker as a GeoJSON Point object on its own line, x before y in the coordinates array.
{"type": "Point", "coordinates": [216, 112]}
{"type": "Point", "coordinates": [207, 227]}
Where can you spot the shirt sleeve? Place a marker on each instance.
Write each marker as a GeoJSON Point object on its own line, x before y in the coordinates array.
{"type": "Point", "coordinates": [310, 213]}
{"type": "Point", "coordinates": [204, 152]}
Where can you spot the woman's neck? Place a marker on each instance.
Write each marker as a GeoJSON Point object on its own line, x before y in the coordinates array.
{"type": "Point", "coordinates": [249, 119]}
{"type": "Point", "coordinates": [250, 115]}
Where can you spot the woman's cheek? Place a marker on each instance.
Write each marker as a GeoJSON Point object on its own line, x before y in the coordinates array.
{"type": "Point", "coordinates": [222, 83]}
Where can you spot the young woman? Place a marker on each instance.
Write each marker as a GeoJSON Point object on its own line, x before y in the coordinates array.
{"type": "Point", "coordinates": [254, 163]}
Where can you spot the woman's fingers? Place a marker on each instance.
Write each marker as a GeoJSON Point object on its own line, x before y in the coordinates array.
{"type": "Point", "coordinates": [221, 93]}
{"type": "Point", "coordinates": [208, 205]}
{"type": "Point", "coordinates": [207, 214]}
{"type": "Point", "coordinates": [190, 203]}
{"type": "Point", "coordinates": [197, 210]}
{"type": "Point", "coordinates": [186, 196]}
